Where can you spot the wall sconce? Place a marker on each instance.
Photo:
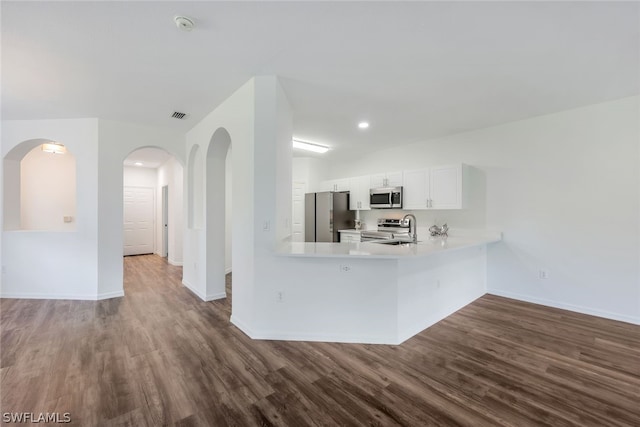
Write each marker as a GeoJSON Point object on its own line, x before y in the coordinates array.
{"type": "Point", "coordinates": [54, 148]}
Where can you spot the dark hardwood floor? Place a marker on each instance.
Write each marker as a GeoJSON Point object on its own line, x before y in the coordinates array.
{"type": "Point", "coordinates": [160, 356]}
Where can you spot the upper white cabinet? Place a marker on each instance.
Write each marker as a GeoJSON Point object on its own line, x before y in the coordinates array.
{"type": "Point", "coordinates": [439, 187]}
{"type": "Point", "coordinates": [415, 193]}
{"type": "Point", "coordinates": [445, 187]}
{"type": "Point", "coordinates": [359, 193]}
{"type": "Point", "coordinates": [388, 179]}
{"type": "Point", "coordinates": [335, 185]}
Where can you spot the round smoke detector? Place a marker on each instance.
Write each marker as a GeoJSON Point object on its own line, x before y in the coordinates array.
{"type": "Point", "coordinates": [184, 23]}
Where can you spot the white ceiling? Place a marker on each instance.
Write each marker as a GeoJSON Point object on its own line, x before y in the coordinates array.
{"type": "Point", "coordinates": [415, 70]}
{"type": "Point", "coordinates": [149, 157]}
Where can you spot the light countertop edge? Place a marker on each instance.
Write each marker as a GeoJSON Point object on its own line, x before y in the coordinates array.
{"type": "Point", "coordinates": [426, 247]}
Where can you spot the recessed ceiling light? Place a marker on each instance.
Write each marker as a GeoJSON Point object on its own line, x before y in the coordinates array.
{"type": "Point", "coordinates": [309, 146]}
{"type": "Point", "coordinates": [138, 163]}
{"type": "Point", "coordinates": [363, 125]}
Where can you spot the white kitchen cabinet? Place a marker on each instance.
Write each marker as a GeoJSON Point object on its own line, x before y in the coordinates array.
{"type": "Point", "coordinates": [359, 193]}
{"type": "Point", "coordinates": [445, 187]}
{"type": "Point", "coordinates": [387, 179]}
{"type": "Point", "coordinates": [415, 192]}
{"type": "Point", "coordinates": [439, 187]}
{"type": "Point", "coordinates": [335, 185]}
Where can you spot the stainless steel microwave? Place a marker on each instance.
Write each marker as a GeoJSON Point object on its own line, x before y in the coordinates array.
{"type": "Point", "coordinates": [386, 198]}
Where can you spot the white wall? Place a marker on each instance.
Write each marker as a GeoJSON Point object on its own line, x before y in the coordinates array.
{"type": "Point", "coordinates": [258, 119]}
{"type": "Point", "coordinates": [564, 189]}
{"type": "Point", "coordinates": [47, 191]}
{"type": "Point", "coordinates": [43, 264]}
{"type": "Point", "coordinates": [85, 263]}
{"type": "Point", "coordinates": [139, 177]}
{"type": "Point", "coordinates": [171, 175]}
{"type": "Point", "coordinates": [310, 171]}
{"type": "Point", "coordinates": [235, 116]}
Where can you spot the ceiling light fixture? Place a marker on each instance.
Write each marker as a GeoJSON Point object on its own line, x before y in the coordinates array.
{"type": "Point", "coordinates": [54, 148]}
{"type": "Point", "coordinates": [138, 163]}
{"type": "Point", "coordinates": [184, 23]}
{"type": "Point", "coordinates": [363, 125]}
{"type": "Point", "coordinates": [309, 146]}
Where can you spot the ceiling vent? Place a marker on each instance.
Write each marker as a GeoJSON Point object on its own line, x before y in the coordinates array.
{"type": "Point", "coordinates": [178, 115]}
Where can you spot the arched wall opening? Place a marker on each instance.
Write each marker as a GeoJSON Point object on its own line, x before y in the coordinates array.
{"type": "Point", "coordinates": [218, 211]}
{"type": "Point", "coordinates": [153, 204]}
{"type": "Point", "coordinates": [39, 187]}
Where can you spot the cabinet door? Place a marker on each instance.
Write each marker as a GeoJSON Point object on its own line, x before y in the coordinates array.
{"type": "Point", "coordinates": [378, 180]}
{"type": "Point", "coordinates": [394, 179]}
{"type": "Point", "coordinates": [446, 187]}
{"type": "Point", "coordinates": [359, 193]}
{"type": "Point", "coordinates": [416, 189]}
{"type": "Point", "coordinates": [326, 186]}
{"type": "Point", "coordinates": [342, 184]}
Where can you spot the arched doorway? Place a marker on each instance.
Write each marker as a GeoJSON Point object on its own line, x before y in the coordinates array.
{"type": "Point", "coordinates": [218, 212]}
{"type": "Point", "coordinates": [153, 205]}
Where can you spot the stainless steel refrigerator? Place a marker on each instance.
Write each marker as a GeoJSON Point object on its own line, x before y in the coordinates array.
{"type": "Point", "coordinates": [324, 214]}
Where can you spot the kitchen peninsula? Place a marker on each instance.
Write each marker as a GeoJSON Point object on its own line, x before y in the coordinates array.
{"type": "Point", "coordinates": [375, 293]}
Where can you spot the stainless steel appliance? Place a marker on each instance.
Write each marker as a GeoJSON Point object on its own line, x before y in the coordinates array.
{"type": "Point", "coordinates": [324, 214]}
{"type": "Point", "coordinates": [386, 198]}
{"type": "Point", "coordinates": [391, 229]}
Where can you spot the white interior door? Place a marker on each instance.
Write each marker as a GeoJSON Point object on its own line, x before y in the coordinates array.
{"type": "Point", "coordinates": [297, 230]}
{"type": "Point", "coordinates": [139, 215]}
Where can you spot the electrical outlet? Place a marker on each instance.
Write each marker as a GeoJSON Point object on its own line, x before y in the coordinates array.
{"type": "Point", "coordinates": [280, 296]}
{"type": "Point", "coordinates": [345, 268]}
{"type": "Point", "coordinates": [543, 274]}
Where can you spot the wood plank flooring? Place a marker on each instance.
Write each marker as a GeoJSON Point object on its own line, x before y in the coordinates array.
{"type": "Point", "coordinates": [160, 356]}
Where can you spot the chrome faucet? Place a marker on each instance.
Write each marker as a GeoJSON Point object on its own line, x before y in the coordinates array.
{"type": "Point", "coordinates": [413, 227]}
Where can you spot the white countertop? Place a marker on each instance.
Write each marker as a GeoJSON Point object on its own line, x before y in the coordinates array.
{"type": "Point", "coordinates": [428, 246]}
{"type": "Point", "coordinates": [350, 230]}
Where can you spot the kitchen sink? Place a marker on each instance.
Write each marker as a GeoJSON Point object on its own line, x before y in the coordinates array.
{"type": "Point", "coordinates": [394, 242]}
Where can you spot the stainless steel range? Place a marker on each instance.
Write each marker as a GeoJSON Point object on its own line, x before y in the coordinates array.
{"type": "Point", "coordinates": [388, 229]}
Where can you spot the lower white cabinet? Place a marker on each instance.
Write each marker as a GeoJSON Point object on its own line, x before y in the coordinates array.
{"type": "Point", "coordinates": [359, 193]}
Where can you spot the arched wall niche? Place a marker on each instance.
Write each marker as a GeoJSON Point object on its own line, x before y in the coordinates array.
{"type": "Point", "coordinates": [39, 188]}
{"type": "Point", "coordinates": [218, 233]}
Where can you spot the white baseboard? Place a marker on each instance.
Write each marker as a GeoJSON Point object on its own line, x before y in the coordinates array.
{"type": "Point", "coordinates": [173, 262]}
{"type": "Point", "coordinates": [296, 336]}
{"type": "Point", "coordinates": [98, 297]}
{"type": "Point", "coordinates": [216, 296]}
{"type": "Point", "coordinates": [202, 296]}
{"type": "Point", "coordinates": [193, 290]}
{"type": "Point", "coordinates": [564, 306]}
{"type": "Point", "coordinates": [109, 295]}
